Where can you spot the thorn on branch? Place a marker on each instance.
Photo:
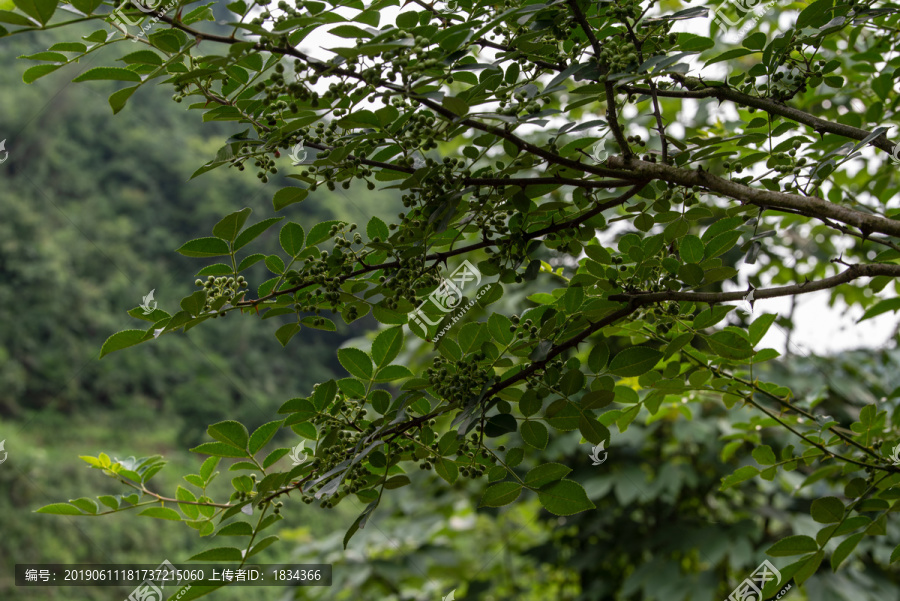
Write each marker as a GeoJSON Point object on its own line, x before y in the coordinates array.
{"type": "Point", "coordinates": [840, 260]}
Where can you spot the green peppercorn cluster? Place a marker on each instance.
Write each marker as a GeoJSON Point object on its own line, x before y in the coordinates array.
{"type": "Point", "coordinates": [458, 381]}
{"type": "Point", "coordinates": [229, 288]}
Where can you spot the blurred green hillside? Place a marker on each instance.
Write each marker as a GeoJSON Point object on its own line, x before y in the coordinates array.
{"type": "Point", "coordinates": [92, 210]}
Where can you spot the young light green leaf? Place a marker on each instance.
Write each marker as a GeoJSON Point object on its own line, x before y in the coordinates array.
{"type": "Point", "coordinates": [191, 511]}
{"type": "Point", "coordinates": [59, 509]}
{"type": "Point", "coordinates": [228, 228]}
{"type": "Point", "coordinates": [161, 513]}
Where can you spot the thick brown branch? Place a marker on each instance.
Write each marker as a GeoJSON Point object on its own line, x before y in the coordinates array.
{"type": "Point", "coordinates": [810, 206]}
{"type": "Point", "coordinates": [844, 277]}
{"type": "Point", "coordinates": [821, 126]}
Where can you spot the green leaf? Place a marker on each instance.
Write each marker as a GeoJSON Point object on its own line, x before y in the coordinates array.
{"type": "Point", "coordinates": [118, 98]}
{"type": "Point", "coordinates": [262, 435]}
{"type": "Point", "coordinates": [230, 225]}
{"type": "Point", "coordinates": [36, 72]}
{"type": "Point", "coordinates": [121, 340]}
{"type": "Point", "coordinates": [236, 529]}
{"type": "Point", "coordinates": [592, 430]}
{"type": "Point", "coordinates": [545, 474]}
{"type": "Point", "coordinates": [730, 345]}
{"type": "Point", "coordinates": [209, 465]}
{"type": "Point", "coordinates": [446, 469]}
{"type": "Point", "coordinates": [274, 456]}
{"type": "Point", "coordinates": [377, 228]}
{"type": "Point", "coordinates": [191, 511]}
{"type": "Point", "coordinates": [565, 497]}
{"type": "Point", "coordinates": [204, 247]}
{"type": "Point", "coordinates": [760, 326]}
{"type": "Point", "coordinates": [502, 493]}
{"type": "Point", "coordinates": [691, 274]}
{"type": "Point", "coordinates": [252, 232]}
{"type": "Point", "coordinates": [288, 196]}
{"type": "Point", "coordinates": [809, 567]}
{"type": "Point", "coordinates": [827, 510]}
{"type": "Point", "coordinates": [691, 249]}
{"type": "Point", "coordinates": [85, 504]}
{"type": "Point", "coordinates": [356, 362]}
{"type": "Point", "coordinates": [535, 434]}
{"type": "Point", "coordinates": [764, 455]}
{"type": "Point", "coordinates": [292, 237]}
{"type": "Point", "coordinates": [389, 373]}
{"type": "Point", "coordinates": [219, 449]}
{"type": "Point", "coordinates": [162, 513]}
{"type": "Point", "coordinates": [895, 554]}
{"type": "Point", "coordinates": [286, 332]}
{"type": "Point", "coordinates": [39, 10]}
{"type": "Point", "coordinates": [106, 73]}
{"type": "Point", "coordinates": [319, 233]}
{"type": "Point", "coordinates": [740, 475]}
{"type": "Point", "coordinates": [194, 303]}
{"type": "Point", "coordinates": [498, 326]}
{"type": "Point", "coordinates": [728, 55]}
{"type": "Point", "coordinates": [755, 41]}
{"type": "Point", "coordinates": [455, 105]}
{"type": "Point", "coordinates": [635, 361]}
{"type": "Point", "coordinates": [269, 540]}
{"type": "Point", "coordinates": [387, 346]}
{"type": "Point", "coordinates": [59, 509]}
{"type": "Point", "coordinates": [230, 432]}
{"type": "Point", "coordinates": [792, 545]}
{"type": "Point", "coordinates": [844, 549]}
{"type": "Point", "coordinates": [815, 14]}
{"type": "Point", "coordinates": [889, 304]}
{"type": "Point", "coordinates": [250, 260]}
{"type": "Point", "coordinates": [721, 243]}
{"type": "Point", "coordinates": [218, 554]}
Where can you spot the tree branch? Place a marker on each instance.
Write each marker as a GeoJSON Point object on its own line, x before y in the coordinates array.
{"type": "Point", "coordinates": [822, 126]}
{"type": "Point", "coordinates": [848, 275]}
{"type": "Point", "coordinates": [811, 206]}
